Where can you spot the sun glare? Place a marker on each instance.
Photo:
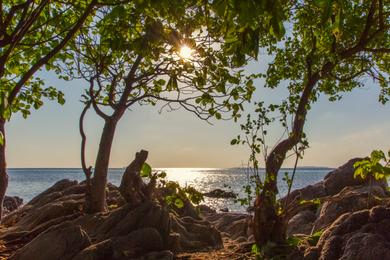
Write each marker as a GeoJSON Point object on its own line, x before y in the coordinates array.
{"type": "Point", "coordinates": [186, 52]}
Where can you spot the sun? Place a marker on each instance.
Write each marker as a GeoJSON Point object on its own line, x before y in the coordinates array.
{"type": "Point", "coordinates": [186, 52]}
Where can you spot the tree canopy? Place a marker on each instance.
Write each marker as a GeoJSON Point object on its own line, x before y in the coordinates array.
{"type": "Point", "coordinates": [145, 38]}
{"type": "Point", "coordinates": [332, 47]}
{"type": "Point", "coordinates": [31, 34]}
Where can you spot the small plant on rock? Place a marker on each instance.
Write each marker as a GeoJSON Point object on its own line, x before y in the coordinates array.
{"type": "Point", "coordinates": [376, 166]}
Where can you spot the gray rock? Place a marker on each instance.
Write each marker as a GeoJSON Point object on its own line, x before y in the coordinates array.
{"type": "Point", "coordinates": [194, 234]}
{"type": "Point", "coordinates": [301, 223]}
{"type": "Point", "coordinates": [233, 224]}
{"type": "Point", "coordinates": [366, 246]}
{"type": "Point", "coordinates": [131, 246]}
{"type": "Point", "coordinates": [343, 176]}
{"type": "Point", "coordinates": [350, 199]}
{"type": "Point", "coordinates": [218, 193]}
{"type": "Point", "coordinates": [359, 235]}
{"type": "Point", "coordinates": [59, 242]}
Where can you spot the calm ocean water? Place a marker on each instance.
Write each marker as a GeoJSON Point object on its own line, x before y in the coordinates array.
{"type": "Point", "coordinates": [27, 183]}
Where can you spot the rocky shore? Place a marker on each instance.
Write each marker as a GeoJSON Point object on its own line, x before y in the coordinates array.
{"type": "Point", "coordinates": [351, 218]}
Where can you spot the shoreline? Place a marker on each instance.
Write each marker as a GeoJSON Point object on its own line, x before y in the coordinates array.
{"type": "Point", "coordinates": [313, 213]}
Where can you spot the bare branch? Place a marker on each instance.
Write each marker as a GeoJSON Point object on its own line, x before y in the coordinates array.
{"type": "Point", "coordinates": [93, 99]}
{"type": "Point", "coordinates": [87, 171]}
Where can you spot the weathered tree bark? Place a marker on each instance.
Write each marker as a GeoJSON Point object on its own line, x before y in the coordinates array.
{"type": "Point", "coordinates": [97, 196]}
{"type": "Point", "coordinates": [132, 187]}
{"type": "Point", "coordinates": [3, 168]}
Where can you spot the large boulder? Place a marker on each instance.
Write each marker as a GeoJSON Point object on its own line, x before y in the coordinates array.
{"type": "Point", "coordinates": [231, 224]}
{"type": "Point", "coordinates": [343, 176]}
{"type": "Point", "coordinates": [350, 199]}
{"type": "Point", "coordinates": [126, 220]}
{"type": "Point", "coordinates": [301, 223]}
{"type": "Point", "coordinates": [114, 233]}
{"type": "Point", "coordinates": [130, 246]}
{"type": "Point", "coordinates": [354, 236]}
{"type": "Point", "coordinates": [64, 198]}
{"type": "Point", "coordinates": [333, 183]}
{"type": "Point", "coordinates": [63, 241]}
{"type": "Point", "coordinates": [192, 234]}
{"type": "Point", "coordinates": [316, 206]}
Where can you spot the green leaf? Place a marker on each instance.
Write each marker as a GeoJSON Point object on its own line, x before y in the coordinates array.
{"type": "Point", "coordinates": [146, 170]}
{"type": "Point", "coordinates": [179, 203]}
{"type": "Point", "coordinates": [1, 138]}
{"type": "Point", "coordinates": [377, 156]}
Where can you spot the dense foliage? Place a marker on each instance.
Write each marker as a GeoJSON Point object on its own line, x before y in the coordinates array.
{"type": "Point", "coordinates": [32, 35]}
{"type": "Point", "coordinates": [132, 55]}
{"type": "Point", "coordinates": [332, 47]}
{"type": "Point", "coordinates": [376, 166]}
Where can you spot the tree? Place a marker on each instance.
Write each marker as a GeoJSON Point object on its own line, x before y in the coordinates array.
{"type": "Point", "coordinates": [333, 46]}
{"type": "Point", "coordinates": [32, 33]}
{"type": "Point", "coordinates": [148, 53]}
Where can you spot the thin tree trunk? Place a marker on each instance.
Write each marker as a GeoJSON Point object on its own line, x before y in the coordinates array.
{"type": "Point", "coordinates": [269, 225]}
{"type": "Point", "coordinates": [3, 168]}
{"type": "Point", "coordinates": [97, 198]}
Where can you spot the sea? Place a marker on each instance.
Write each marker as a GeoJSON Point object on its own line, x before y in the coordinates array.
{"type": "Point", "coordinates": [29, 182]}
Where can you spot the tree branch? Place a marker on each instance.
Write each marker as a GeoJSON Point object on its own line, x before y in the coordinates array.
{"type": "Point", "coordinates": [87, 171]}
{"type": "Point", "coordinates": [129, 80]}
{"type": "Point", "coordinates": [377, 50]}
{"type": "Point", "coordinates": [93, 100]}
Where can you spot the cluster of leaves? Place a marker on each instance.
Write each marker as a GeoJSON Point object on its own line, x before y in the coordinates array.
{"type": "Point", "coordinates": [30, 36]}
{"type": "Point", "coordinates": [332, 46]}
{"type": "Point", "coordinates": [149, 35]}
{"type": "Point", "coordinates": [176, 194]}
{"type": "Point", "coordinates": [248, 25]}
{"type": "Point", "coordinates": [377, 166]}
{"type": "Point", "coordinates": [322, 33]}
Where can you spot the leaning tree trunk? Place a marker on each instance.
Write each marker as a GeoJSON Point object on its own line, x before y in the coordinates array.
{"type": "Point", "coordinates": [97, 196]}
{"type": "Point", "coordinates": [269, 225]}
{"type": "Point", "coordinates": [3, 168]}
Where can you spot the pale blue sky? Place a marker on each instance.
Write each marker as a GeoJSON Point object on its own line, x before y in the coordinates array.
{"type": "Point", "coordinates": [337, 131]}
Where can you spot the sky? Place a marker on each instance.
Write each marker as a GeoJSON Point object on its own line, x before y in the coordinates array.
{"type": "Point", "coordinates": [337, 132]}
